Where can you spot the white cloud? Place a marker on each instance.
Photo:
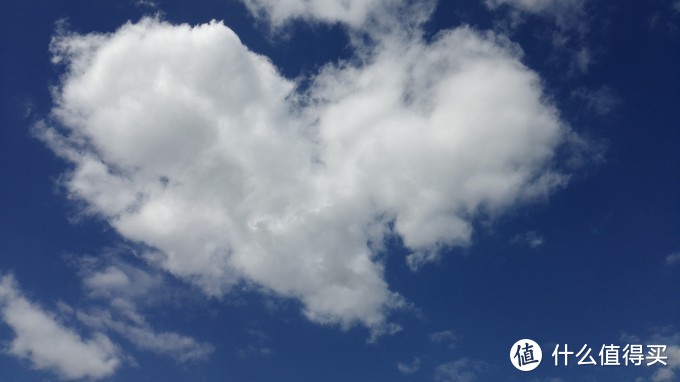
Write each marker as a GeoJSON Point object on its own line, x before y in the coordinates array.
{"type": "Point", "coordinates": [149, 4]}
{"type": "Point", "coordinates": [462, 370]}
{"type": "Point", "coordinates": [140, 334]}
{"type": "Point", "coordinates": [409, 368]}
{"type": "Point", "coordinates": [664, 375]}
{"type": "Point", "coordinates": [529, 238]}
{"type": "Point", "coordinates": [446, 337]}
{"type": "Point", "coordinates": [566, 27]}
{"type": "Point", "coordinates": [566, 13]}
{"type": "Point", "coordinates": [112, 278]}
{"type": "Point", "coordinates": [672, 341]}
{"type": "Point", "coordinates": [673, 259]}
{"type": "Point", "coordinates": [124, 287]}
{"type": "Point", "coordinates": [601, 101]}
{"type": "Point", "coordinates": [663, 336]}
{"type": "Point", "coordinates": [535, 6]}
{"type": "Point", "coordinates": [258, 347]}
{"type": "Point", "coordinates": [676, 6]}
{"type": "Point", "coordinates": [357, 14]}
{"type": "Point", "coordinates": [353, 12]}
{"type": "Point", "coordinates": [187, 142]}
{"type": "Point", "coordinates": [49, 345]}
{"type": "Point", "coordinates": [668, 374]}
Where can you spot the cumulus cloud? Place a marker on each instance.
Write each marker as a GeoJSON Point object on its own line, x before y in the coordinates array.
{"type": "Point", "coordinates": [193, 146]}
{"type": "Point", "coordinates": [41, 339]}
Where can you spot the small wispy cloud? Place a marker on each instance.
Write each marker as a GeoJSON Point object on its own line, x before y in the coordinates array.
{"type": "Point", "coordinates": [570, 26]}
{"type": "Point", "coordinates": [409, 368]}
{"type": "Point", "coordinates": [120, 291]}
{"type": "Point", "coordinates": [141, 335]}
{"type": "Point", "coordinates": [258, 346]}
{"type": "Point", "coordinates": [462, 370]}
{"type": "Point", "coordinates": [529, 238]}
{"type": "Point", "coordinates": [601, 101]}
{"type": "Point", "coordinates": [148, 4]}
{"type": "Point", "coordinates": [673, 259]}
{"type": "Point", "coordinates": [446, 337]}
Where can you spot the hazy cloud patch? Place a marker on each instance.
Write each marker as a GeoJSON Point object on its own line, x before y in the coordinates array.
{"type": "Point", "coordinates": [409, 368]}
{"type": "Point", "coordinates": [461, 370]}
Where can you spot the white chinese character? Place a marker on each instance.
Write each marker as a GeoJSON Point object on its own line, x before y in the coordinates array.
{"type": "Point", "coordinates": [654, 355]}
{"type": "Point", "coordinates": [566, 353]}
{"type": "Point", "coordinates": [587, 355]}
{"type": "Point", "coordinates": [609, 355]}
{"type": "Point", "coordinates": [633, 354]}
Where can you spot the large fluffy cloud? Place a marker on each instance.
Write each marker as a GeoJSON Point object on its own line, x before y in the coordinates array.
{"type": "Point", "coordinates": [192, 145]}
{"type": "Point", "coordinates": [48, 344]}
{"type": "Point", "coordinates": [428, 135]}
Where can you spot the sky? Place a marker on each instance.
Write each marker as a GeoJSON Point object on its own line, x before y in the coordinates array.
{"type": "Point", "coordinates": [359, 190]}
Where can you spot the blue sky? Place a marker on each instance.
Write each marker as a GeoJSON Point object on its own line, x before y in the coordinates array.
{"type": "Point", "coordinates": [296, 190]}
